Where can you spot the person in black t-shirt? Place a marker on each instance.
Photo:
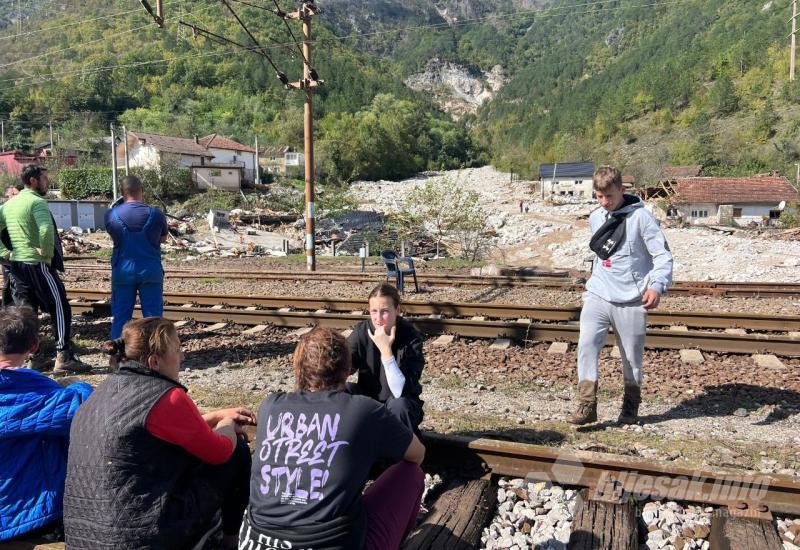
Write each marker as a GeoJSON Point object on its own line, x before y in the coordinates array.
{"type": "Point", "coordinates": [313, 452]}
{"type": "Point", "coordinates": [387, 353]}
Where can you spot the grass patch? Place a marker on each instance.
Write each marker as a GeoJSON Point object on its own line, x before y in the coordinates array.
{"type": "Point", "coordinates": [451, 381]}
{"type": "Point", "coordinates": [103, 253]}
{"type": "Point", "coordinates": [211, 280]}
{"type": "Point", "coordinates": [210, 398]}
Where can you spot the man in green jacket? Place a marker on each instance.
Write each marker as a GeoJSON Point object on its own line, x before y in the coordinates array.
{"type": "Point", "coordinates": [33, 236]}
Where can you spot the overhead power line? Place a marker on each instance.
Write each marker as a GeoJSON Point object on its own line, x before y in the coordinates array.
{"type": "Point", "coordinates": [104, 38]}
{"type": "Point", "coordinates": [547, 12]}
{"type": "Point", "coordinates": [73, 24]}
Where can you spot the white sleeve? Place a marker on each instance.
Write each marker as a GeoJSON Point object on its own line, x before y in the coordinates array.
{"type": "Point", "coordinates": [394, 376]}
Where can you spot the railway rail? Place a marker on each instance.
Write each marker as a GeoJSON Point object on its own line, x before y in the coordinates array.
{"type": "Point", "coordinates": [613, 488]}
{"type": "Point", "coordinates": [554, 280]}
{"type": "Point", "coordinates": [515, 322]}
{"type": "Point", "coordinates": [613, 491]}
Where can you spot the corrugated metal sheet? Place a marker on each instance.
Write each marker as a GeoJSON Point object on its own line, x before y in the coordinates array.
{"type": "Point", "coordinates": [578, 170]}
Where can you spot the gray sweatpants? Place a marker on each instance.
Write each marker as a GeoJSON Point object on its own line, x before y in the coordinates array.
{"type": "Point", "coordinates": [629, 321]}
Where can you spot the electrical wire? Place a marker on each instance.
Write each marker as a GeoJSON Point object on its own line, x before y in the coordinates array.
{"type": "Point", "coordinates": [104, 38]}
{"type": "Point", "coordinates": [73, 24]}
{"type": "Point", "coordinates": [547, 12]}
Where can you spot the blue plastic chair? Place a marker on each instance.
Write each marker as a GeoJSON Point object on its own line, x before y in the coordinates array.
{"type": "Point", "coordinates": [398, 267]}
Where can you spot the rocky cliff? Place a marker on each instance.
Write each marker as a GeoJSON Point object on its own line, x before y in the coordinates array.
{"type": "Point", "coordinates": [456, 88]}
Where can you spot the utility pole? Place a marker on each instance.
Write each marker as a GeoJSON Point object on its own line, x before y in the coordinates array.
{"type": "Point", "coordinates": [113, 163]}
{"type": "Point", "coordinates": [52, 148]}
{"type": "Point", "coordinates": [3, 133]}
{"type": "Point", "coordinates": [794, 41]}
{"type": "Point", "coordinates": [258, 172]}
{"type": "Point", "coordinates": [127, 162]}
{"type": "Point", "coordinates": [308, 84]}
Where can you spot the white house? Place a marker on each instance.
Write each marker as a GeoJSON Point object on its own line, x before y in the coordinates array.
{"type": "Point", "coordinates": [738, 200]}
{"type": "Point", "coordinates": [567, 179]}
{"type": "Point", "coordinates": [150, 150]}
{"type": "Point", "coordinates": [282, 160]}
{"type": "Point", "coordinates": [230, 153]}
{"type": "Point", "coordinates": [218, 176]}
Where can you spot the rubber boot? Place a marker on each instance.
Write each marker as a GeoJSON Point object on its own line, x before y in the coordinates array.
{"type": "Point", "coordinates": [630, 404]}
{"type": "Point", "coordinates": [587, 403]}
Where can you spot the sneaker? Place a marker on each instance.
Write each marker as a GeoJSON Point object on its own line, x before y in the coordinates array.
{"type": "Point", "coordinates": [67, 362]}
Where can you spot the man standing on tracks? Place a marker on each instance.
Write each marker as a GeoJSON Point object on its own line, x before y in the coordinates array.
{"type": "Point", "coordinates": [137, 230]}
{"type": "Point", "coordinates": [633, 268]}
{"type": "Point", "coordinates": [36, 259]}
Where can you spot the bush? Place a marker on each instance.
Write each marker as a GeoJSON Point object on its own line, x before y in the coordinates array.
{"type": "Point", "coordinates": [790, 217]}
{"type": "Point", "coordinates": [80, 183]}
{"type": "Point", "coordinates": [215, 199]}
{"type": "Point", "coordinates": [167, 182]}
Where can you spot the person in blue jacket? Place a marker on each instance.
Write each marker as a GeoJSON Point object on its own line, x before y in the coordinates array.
{"type": "Point", "coordinates": [137, 230]}
{"type": "Point", "coordinates": [35, 417]}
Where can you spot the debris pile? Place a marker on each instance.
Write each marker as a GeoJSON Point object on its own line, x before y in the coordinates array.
{"type": "Point", "coordinates": [74, 245]}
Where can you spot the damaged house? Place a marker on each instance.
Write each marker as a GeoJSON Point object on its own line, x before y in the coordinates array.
{"type": "Point", "coordinates": [720, 200]}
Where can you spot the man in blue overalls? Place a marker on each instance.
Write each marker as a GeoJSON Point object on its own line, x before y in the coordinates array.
{"type": "Point", "coordinates": [137, 230]}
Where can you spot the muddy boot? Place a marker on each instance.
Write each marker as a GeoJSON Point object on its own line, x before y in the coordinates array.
{"type": "Point", "coordinates": [587, 403]}
{"type": "Point", "coordinates": [39, 362]}
{"type": "Point", "coordinates": [67, 362]}
{"type": "Point", "coordinates": [630, 404]}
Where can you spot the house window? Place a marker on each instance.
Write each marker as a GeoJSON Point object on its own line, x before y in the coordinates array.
{"type": "Point", "coordinates": [737, 212]}
{"type": "Point", "coordinates": [672, 212]}
{"type": "Point", "coordinates": [699, 213]}
{"type": "Point", "coordinates": [774, 214]}
{"type": "Point", "coordinates": [272, 158]}
{"type": "Point", "coordinates": [234, 158]}
{"type": "Point", "coordinates": [578, 182]}
{"type": "Point", "coordinates": [215, 173]}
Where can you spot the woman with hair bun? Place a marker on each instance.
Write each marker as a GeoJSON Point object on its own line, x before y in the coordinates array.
{"type": "Point", "coordinates": [313, 453]}
{"type": "Point", "coordinates": [387, 354]}
{"type": "Point", "coordinates": [145, 468]}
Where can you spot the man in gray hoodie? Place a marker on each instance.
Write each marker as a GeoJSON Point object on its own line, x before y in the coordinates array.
{"type": "Point", "coordinates": [633, 268]}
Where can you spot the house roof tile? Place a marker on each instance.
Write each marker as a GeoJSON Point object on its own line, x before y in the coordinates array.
{"type": "Point", "coordinates": [754, 189]}
{"type": "Point", "coordinates": [220, 142]}
{"type": "Point", "coordinates": [274, 150]}
{"type": "Point", "coordinates": [170, 144]}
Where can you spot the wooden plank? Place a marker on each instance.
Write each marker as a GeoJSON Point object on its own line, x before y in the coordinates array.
{"type": "Point", "coordinates": [457, 518]}
{"type": "Point", "coordinates": [729, 532]}
{"type": "Point", "coordinates": [604, 525]}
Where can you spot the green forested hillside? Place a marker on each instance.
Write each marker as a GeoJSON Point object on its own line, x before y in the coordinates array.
{"type": "Point", "coordinates": [639, 83]}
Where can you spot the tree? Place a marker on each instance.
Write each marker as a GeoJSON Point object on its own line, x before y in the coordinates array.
{"type": "Point", "coordinates": [446, 210]}
{"type": "Point", "coordinates": [723, 97]}
{"type": "Point", "coordinates": [766, 119]}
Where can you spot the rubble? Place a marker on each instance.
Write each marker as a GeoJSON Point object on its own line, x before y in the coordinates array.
{"type": "Point", "coordinates": [74, 245]}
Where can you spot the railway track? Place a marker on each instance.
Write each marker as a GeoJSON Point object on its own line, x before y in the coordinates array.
{"type": "Point", "coordinates": [613, 490]}
{"type": "Point", "coordinates": [554, 280]}
{"type": "Point", "coordinates": [508, 321]}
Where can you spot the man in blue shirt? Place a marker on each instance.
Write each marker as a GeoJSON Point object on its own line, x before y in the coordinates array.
{"type": "Point", "coordinates": [137, 230]}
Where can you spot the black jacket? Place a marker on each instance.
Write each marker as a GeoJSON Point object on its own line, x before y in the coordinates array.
{"type": "Point", "coordinates": [126, 488]}
{"type": "Point", "coordinates": [407, 349]}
